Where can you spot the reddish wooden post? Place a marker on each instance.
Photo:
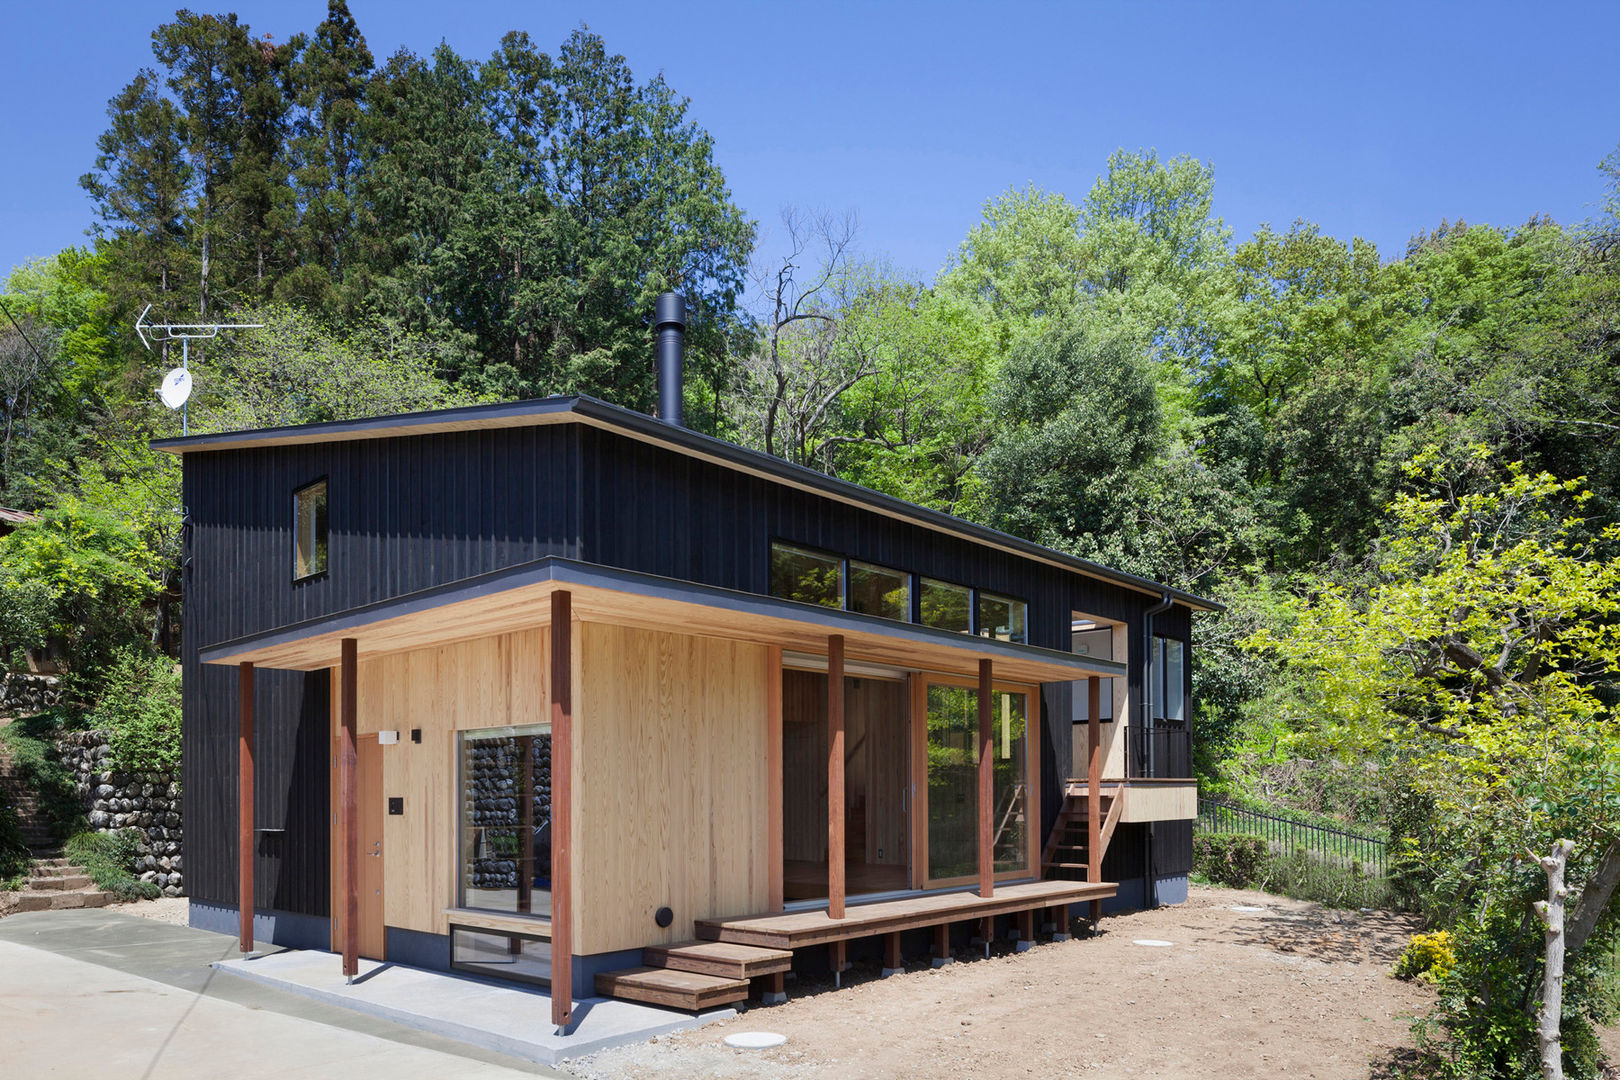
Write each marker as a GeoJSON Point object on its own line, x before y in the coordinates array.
{"type": "Point", "coordinates": [835, 776]}
{"type": "Point", "coordinates": [1094, 788]}
{"type": "Point", "coordinates": [562, 818]}
{"type": "Point", "coordinates": [987, 760]}
{"type": "Point", "coordinates": [348, 815]}
{"type": "Point", "coordinates": [244, 806]}
{"type": "Point", "coordinates": [892, 960]}
{"type": "Point", "coordinates": [942, 944]}
{"type": "Point", "coordinates": [773, 779]}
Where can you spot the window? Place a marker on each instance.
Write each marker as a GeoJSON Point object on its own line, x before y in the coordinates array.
{"type": "Point", "coordinates": [1168, 687]}
{"type": "Point", "coordinates": [953, 781]}
{"type": "Point", "coordinates": [877, 590]}
{"type": "Point", "coordinates": [944, 605]}
{"type": "Point", "coordinates": [1002, 618]}
{"type": "Point", "coordinates": [1090, 638]}
{"type": "Point", "coordinates": [309, 530]}
{"type": "Point", "coordinates": [809, 577]}
{"type": "Point", "coordinates": [505, 825]}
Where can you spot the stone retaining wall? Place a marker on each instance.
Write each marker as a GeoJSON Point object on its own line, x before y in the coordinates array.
{"type": "Point", "coordinates": [149, 802]}
{"type": "Point", "coordinates": [22, 693]}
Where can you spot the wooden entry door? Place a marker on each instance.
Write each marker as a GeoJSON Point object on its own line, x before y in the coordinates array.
{"type": "Point", "coordinates": [369, 807]}
{"type": "Point", "coordinates": [369, 800]}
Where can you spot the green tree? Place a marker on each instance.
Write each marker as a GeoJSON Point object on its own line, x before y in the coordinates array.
{"type": "Point", "coordinates": [1487, 649]}
{"type": "Point", "coordinates": [1073, 415]}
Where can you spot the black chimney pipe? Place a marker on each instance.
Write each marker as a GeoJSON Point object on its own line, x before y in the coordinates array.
{"type": "Point", "coordinates": [671, 326]}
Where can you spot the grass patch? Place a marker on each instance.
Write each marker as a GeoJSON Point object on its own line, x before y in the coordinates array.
{"type": "Point", "coordinates": [31, 741]}
{"type": "Point", "coordinates": [109, 859]}
{"type": "Point", "coordinates": [1243, 861]}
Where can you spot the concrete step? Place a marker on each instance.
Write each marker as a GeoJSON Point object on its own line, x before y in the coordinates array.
{"type": "Point", "coordinates": [718, 958]}
{"type": "Point", "coordinates": [673, 989]}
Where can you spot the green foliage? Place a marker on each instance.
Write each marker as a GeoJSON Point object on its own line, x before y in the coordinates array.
{"type": "Point", "coordinates": [15, 858]}
{"type": "Point", "coordinates": [1229, 858]}
{"type": "Point", "coordinates": [1429, 957]}
{"type": "Point", "coordinates": [1071, 416]}
{"type": "Point", "coordinates": [31, 743]}
{"type": "Point", "coordinates": [140, 711]}
{"type": "Point", "coordinates": [109, 859]}
{"type": "Point", "coordinates": [78, 575]}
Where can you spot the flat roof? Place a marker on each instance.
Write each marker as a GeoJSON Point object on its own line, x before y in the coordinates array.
{"type": "Point", "coordinates": [581, 409]}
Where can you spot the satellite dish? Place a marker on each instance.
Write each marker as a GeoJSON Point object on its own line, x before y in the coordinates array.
{"type": "Point", "coordinates": [176, 388]}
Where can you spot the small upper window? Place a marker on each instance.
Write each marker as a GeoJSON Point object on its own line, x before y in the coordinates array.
{"type": "Point", "coordinates": [1002, 618]}
{"type": "Point", "coordinates": [944, 605]}
{"type": "Point", "coordinates": [809, 577]}
{"type": "Point", "coordinates": [877, 590]}
{"type": "Point", "coordinates": [309, 530]}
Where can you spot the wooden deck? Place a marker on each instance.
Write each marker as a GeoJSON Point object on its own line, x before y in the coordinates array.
{"type": "Point", "coordinates": [797, 930]}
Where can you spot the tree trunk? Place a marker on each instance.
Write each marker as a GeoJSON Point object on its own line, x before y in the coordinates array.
{"type": "Point", "coordinates": [1551, 911]}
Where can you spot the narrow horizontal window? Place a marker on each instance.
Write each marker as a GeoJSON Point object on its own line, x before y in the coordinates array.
{"type": "Point", "coordinates": [1001, 617]}
{"type": "Point", "coordinates": [309, 530]}
{"type": "Point", "coordinates": [877, 590]}
{"type": "Point", "coordinates": [810, 577]}
{"type": "Point", "coordinates": [947, 606]}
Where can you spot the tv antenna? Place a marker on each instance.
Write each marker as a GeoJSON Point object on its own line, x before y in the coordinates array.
{"type": "Point", "coordinates": [176, 388]}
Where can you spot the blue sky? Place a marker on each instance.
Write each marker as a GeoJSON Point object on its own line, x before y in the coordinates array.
{"type": "Point", "coordinates": [1371, 120]}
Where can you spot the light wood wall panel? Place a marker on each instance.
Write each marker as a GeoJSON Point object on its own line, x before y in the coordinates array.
{"type": "Point", "coordinates": [670, 788]}
{"type": "Point", "coordinates": [488, 682]}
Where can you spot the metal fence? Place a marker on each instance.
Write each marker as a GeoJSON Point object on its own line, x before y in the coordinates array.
{"type": "Point", "coordinates": [1287, 835]}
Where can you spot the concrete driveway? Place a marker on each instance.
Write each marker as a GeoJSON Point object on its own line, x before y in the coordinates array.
{"type": "Point", "coordinates": [94, 993]}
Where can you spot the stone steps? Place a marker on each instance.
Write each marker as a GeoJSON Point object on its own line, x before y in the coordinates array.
{"type": "Point", "coordinates": [54, 883]}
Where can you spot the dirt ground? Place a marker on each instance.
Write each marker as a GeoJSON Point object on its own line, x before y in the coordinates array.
{"type": "Point", "coordinates": [1293, 990]}
{"type": "Point", "coordinates": [169, 909]}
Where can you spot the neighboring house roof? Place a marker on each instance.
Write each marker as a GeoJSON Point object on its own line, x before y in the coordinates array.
{"type": "Point", "coordinates": [597, 413]}
{"type": "Point", "coordinates": [16, 517]}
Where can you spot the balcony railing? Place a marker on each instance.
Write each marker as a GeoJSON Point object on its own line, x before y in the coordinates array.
{"type": "Point", "coordinates": [1163, 753]}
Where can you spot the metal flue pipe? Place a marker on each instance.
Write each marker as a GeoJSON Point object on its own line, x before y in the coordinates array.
{"type": "Point", "coordinates": [671, 329]}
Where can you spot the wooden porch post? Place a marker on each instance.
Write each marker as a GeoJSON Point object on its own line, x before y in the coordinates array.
{"type": "Point", "coordinates": [987, 749]}
{"type": "Point", "coordinates": [773, 779]}
{"type": "Point", "coordinates": [1094, 788]}
{"type": "Point", "coordinates": [562, 783]}
{"type": "Point", "coordinates": [835, 776]}
{"type": "Point", "coordinates": [348, 815]}
{"type": "Point", "coordinates": [244, 806]}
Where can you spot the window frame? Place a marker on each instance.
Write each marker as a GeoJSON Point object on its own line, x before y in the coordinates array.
{"type": "Point", "coordinates": [317, 542]}
{"type": "Point", "coordinates": [978, 631]}
{"type": "Point", "coordinates": [808, 549]}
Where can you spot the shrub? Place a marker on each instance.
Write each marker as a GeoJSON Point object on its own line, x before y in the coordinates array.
{"type": "Point", "coordinates": [14, 854]}
{"type": "Point", "coordinates": [1306, 878]}
{"type": "Point", "coordinates": [1429, 957]}
{"type": "Point", "coordinates": [1229, 858]}
{"type": "Point", "coordinates": [109, 859]}
{"type": "Point", "coordinates": [31, 741]}
{"type": "Point", "coordinates": [140, 711]}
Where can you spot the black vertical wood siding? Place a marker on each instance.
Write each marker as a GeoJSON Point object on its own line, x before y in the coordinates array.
{"type": "Point", "coordinates": [408, 513]}
{"type": "Point", "coordinates": [404, 514]}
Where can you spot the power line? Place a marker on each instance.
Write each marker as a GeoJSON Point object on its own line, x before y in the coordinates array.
{"type": "Point", "coordinates": [7, 309]}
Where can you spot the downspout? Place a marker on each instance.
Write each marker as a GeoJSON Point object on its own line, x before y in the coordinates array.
{"type": "Point", "coordinates": [1150, 886]}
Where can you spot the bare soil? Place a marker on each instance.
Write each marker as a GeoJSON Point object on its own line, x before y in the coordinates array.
{"type": "Point", "coordinates": [1293, 990]}
{"type": "Point", "coordinates": [168, 909]}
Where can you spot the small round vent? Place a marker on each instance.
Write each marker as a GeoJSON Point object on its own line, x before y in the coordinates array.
{"type": "Point", "coordinates": [664, 917]}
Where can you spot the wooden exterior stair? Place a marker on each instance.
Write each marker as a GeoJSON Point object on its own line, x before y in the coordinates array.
{"type": "Point", "coordinates": [1066, 850]}
{"type": "Point", "coordinates": [693, 975]}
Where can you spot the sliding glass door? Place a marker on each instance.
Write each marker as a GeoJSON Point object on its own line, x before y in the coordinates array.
{"type": "Point", "coordinates": [952, 748]}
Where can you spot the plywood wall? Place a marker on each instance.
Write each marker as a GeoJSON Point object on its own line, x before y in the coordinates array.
{"type": "Point", "coordinates": [670, 785]}
{"type": "Point", "coordinates": [489, 682]}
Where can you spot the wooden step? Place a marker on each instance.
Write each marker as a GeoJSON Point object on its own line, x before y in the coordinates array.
{"type": "Point", "coordinates": [719, 958]}
{"type": "Point", "coordinates": [673, 989]}
{"type": "Point", "coordinates": [1065, 866]}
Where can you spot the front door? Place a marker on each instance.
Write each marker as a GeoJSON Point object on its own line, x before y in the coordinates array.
{"type": "Point", "coordinates": [369, 800]}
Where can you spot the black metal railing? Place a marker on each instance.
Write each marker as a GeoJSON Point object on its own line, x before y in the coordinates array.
{"type": "Point", "coordinates": [1163, 753]}
{"type": "Point", "coordinates": [1286, 835]}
